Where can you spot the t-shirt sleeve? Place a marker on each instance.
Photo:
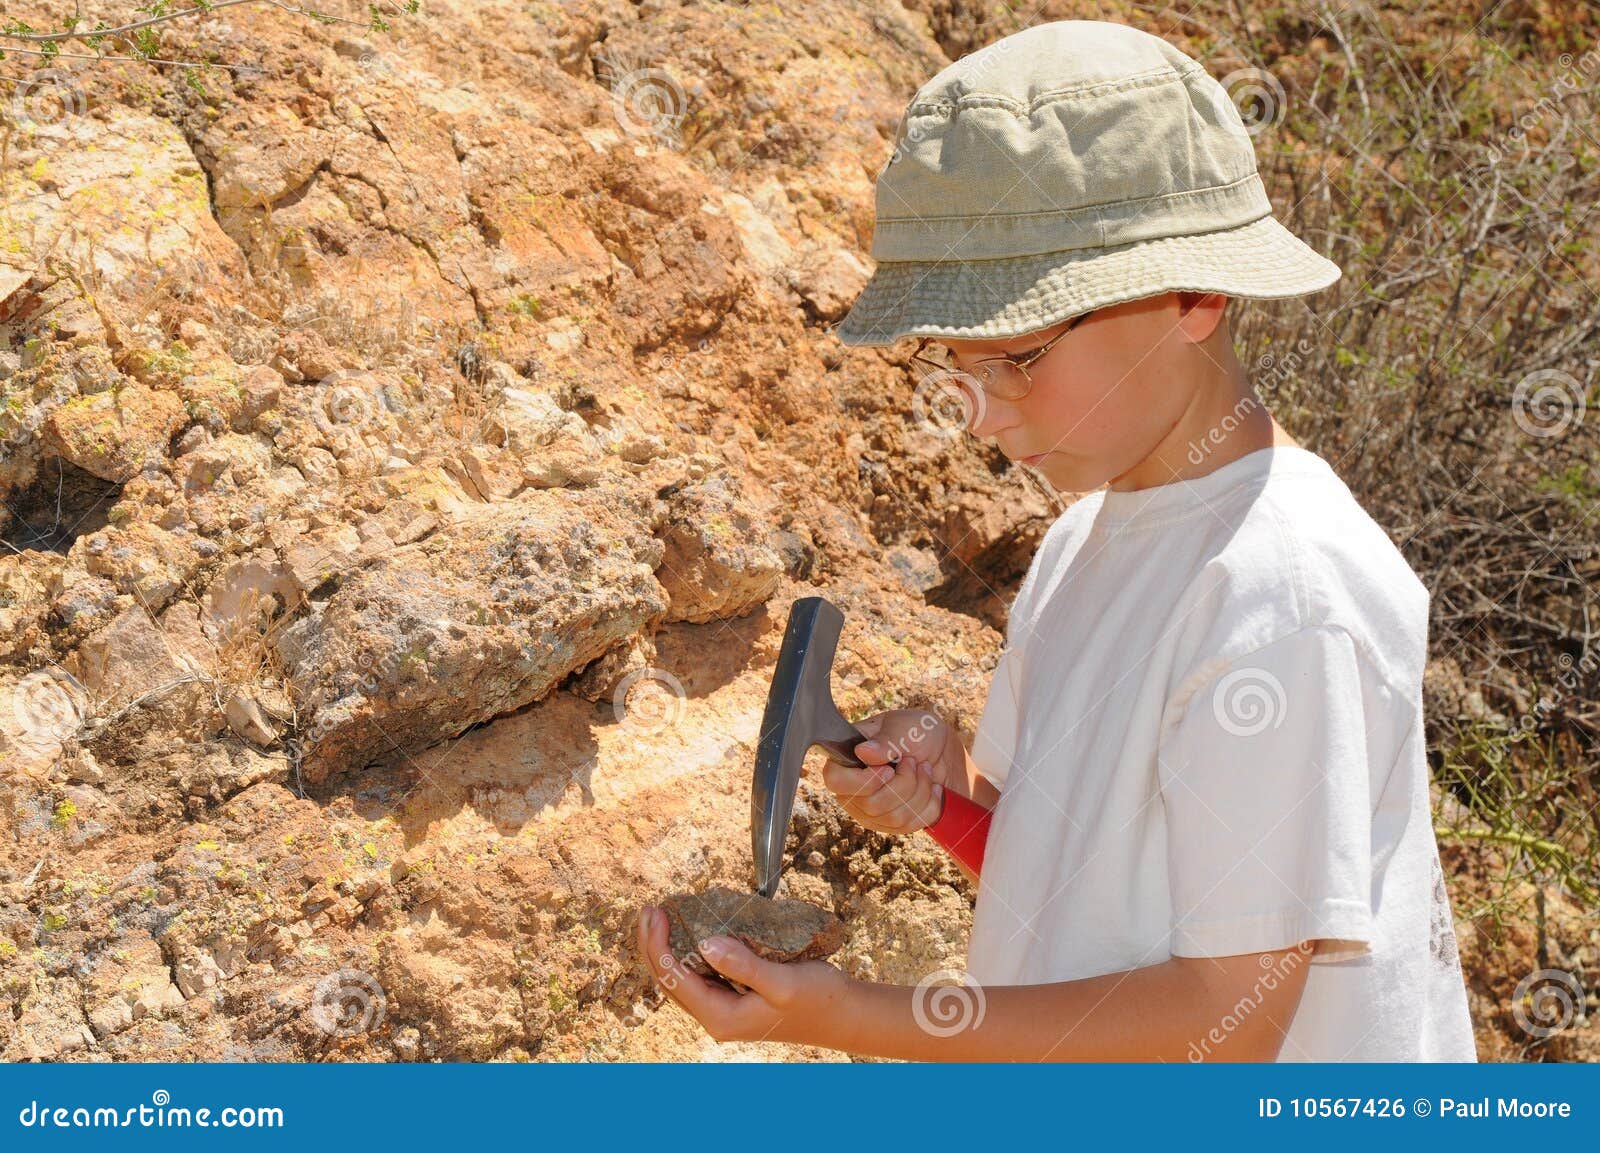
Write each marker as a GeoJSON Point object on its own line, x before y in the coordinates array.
{"type": "Point", "coordinates": [1264, 776]}
{"type": "Point", "coordinates": [995, 743]}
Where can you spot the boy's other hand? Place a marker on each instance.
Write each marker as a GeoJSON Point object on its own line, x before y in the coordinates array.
{"type": "Point", "coordinates": [908, 767]}
{"type": "Point", "coordinates": [801, 1002]}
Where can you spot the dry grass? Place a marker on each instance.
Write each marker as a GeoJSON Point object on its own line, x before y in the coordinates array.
{"type": "Point", "coordinates": [1435, 168]}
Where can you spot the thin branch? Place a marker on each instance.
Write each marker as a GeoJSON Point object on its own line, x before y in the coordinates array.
{"type": "Point", "coordinates": [97, 33]}
{"type": "Point", "coordinates": [130, 59]}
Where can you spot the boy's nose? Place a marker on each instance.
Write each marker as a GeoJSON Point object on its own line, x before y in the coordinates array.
{"type": "Point", "coordinates": [987, 416]}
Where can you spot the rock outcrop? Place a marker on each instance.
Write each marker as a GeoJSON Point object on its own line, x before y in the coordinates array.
{"type": "Point", "coordinates": [409, 457]}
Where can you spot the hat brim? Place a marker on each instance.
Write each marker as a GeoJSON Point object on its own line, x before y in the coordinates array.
{"type": "Point", "coordinates": [995, 299]}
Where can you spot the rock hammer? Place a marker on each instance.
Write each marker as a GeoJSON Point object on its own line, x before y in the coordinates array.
{"type": "Point", "coordinates": [800, 713]}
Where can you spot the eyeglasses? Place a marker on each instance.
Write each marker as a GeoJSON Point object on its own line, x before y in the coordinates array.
{"type": "Point", "coordinates": [1002, 377]}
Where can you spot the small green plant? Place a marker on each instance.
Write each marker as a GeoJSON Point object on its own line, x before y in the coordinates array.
{"type": "Point", "coordinates": [1513, 786]}
{"type": "Point", "coordinates": [1576, 484]}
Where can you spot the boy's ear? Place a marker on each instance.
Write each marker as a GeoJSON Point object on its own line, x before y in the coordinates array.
{"type": "Point", "coordinates": [1199, 314]}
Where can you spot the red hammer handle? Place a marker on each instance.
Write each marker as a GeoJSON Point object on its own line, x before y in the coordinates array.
{"type": "Point", "coordinates": [963, 829]}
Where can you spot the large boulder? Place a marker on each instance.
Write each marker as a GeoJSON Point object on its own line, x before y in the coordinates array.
{"type": "Point", "coordinates": [485, 618]}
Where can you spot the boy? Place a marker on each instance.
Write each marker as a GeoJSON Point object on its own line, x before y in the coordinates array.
{"type": "Point", "coordinates": [1197, 802]}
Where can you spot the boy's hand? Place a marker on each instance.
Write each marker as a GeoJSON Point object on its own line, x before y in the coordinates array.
{"type": "Point", "coordinates": [805, 1003]}
{"type": "Point", "coordinates": [908, 754]}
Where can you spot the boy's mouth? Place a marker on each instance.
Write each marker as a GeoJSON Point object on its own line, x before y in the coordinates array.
{"type": "Point", "coordinates": [1034, 459]}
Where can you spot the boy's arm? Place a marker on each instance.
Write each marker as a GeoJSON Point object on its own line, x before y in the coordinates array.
{"type": "Point", "coordinates": [1183, 1009]}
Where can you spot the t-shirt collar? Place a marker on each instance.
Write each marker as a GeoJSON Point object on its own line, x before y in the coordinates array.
{"type": "Point", "coordinates": [1181, 497]}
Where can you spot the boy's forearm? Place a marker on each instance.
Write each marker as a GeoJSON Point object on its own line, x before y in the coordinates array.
{"type": "Point", "coordinates": [1165, 1012]}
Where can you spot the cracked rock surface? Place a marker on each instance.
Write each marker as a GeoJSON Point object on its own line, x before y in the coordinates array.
{"type": "Point", "coordinates": [775, 929]}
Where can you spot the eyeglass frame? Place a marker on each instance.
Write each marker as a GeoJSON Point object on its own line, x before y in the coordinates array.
{"type": "Point", "coordinates": [1021, 364]}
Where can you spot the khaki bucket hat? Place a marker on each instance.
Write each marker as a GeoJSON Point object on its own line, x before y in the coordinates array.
{"type": "Point", "coordinates": [1067, 167]}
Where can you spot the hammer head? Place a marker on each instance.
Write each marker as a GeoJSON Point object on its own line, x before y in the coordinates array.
{"type": "Point", "coordinates": [800, 713]}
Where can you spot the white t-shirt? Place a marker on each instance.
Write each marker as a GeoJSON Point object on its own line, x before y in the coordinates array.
{"type": "Point", "coordinates": [1206, 725]}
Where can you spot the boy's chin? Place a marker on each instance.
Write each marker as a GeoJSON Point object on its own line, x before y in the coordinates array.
{"type": "Point", "coordinates": [1070, 474]}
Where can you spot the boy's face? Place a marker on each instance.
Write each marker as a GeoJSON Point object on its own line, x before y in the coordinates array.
{"type": "Point", "coordinates": [1103, 397]}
